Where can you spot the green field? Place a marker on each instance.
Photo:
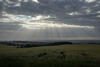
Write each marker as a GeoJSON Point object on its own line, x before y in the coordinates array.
{"type": "Point", "coordinates": [51, 56]}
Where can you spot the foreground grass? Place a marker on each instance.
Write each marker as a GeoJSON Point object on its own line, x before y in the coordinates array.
{"type": "Point", "coordinates": [51, 56]}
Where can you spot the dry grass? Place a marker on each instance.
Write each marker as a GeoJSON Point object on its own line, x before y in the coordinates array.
{"type": "Point", "coordinates": [51, 56]}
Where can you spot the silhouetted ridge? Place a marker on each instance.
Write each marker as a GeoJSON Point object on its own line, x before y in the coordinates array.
{"type": "Point", "coordinates": [33, 44]}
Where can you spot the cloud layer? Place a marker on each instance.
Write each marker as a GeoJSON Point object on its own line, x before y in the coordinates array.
{"type": "Point", "coordinates": [49, 19]}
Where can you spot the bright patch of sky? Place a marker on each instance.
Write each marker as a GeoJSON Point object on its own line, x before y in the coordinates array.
{"type": "Point", "coordinates": [88, 10]}
{"type": "Point", "coordinates": [36, 1]}
{"type": "Point", "coordinates": [98, 16]}
{"type": "Point", "coordinates": [98, 11]}
{"type": "Point", "coordinates": [90, 1]}
{"type": "Point", "coordinates": [38, 22]}
{"type": "Point", "coordinates": [51, 24]}
{"type": "Point", "coordinates": [74, 13]}
{"type": "Point", "coordinates": [12, 3]}
{"type": "Point", "coordinates": [25, 17]}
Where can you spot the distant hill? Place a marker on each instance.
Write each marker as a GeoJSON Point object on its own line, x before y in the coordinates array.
{"type": "Point", "coordinates": [21, 44]}
{"type": "Point", "coordinates": [33, 44]}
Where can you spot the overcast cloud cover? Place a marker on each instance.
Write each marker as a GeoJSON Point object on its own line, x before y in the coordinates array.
{"type": "Point", "coordinates": [49, 19]}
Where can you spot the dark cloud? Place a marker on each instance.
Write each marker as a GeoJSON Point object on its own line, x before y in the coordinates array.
{"type": "Point", "coordinates": [59, 8]}
{"type": "Point", "coordinates": [1, 8]}
{"type": "Point", "coordinates": [9, 26]}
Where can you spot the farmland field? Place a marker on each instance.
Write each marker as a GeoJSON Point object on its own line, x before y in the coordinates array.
{"type": "Point", "coordinates": [51, 56]}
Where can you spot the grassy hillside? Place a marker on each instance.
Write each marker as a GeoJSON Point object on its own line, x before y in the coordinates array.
{"type": "Point", "coordinates": [51, 56]}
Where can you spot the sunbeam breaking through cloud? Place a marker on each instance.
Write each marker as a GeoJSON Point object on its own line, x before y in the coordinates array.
{"type": "Point", "coordinates": [49, 19]}
{"type": "Point", "coordinates": [39, 22]}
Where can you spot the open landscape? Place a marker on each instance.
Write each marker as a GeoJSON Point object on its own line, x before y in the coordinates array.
{"type": "Point", "coordinates": [49, 33]}
{"type": "Point", "coordinates": [76, 55]}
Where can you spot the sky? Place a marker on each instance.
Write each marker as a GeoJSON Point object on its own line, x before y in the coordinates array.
{"type": "Point", "coordinates": [35, 20]}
